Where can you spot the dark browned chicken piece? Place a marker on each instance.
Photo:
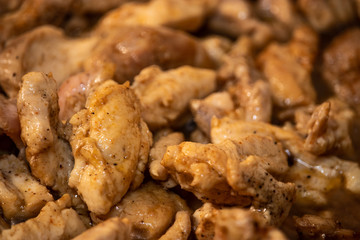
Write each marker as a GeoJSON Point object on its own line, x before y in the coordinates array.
{"type": "Point", "coordinates": [8, 6]}
{"type": "Point", "coordinates": [9, 120]}
{"type": "Point", "coordinates": [30, 14]}
{"type": "Point", "coordinates": [325, 15]}
{"type": "Point", "coordinates": [213, 222]}
{"type": "Point", "coordinates": [341, 67]}
{"type": "Point", "coordinates": [288, 69]}
{"type": "Point", "coordinates": [154, 213]}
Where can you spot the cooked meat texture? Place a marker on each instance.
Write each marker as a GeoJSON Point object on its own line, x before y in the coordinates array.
{"type": "Point", "coordinates": [326, 15]}
{"type": "Point", "coordinates": [236, 173]}
{"type": "Point", "coordinates": [112, 229]}
{"type": "Point", "coordinates": [22, 196]}
{"type": "Point", "coordinates": [30, 14]}
{"type": "Point", "coordinates": [217, 104]}
{"type": "Point", "coordinates": [187, 16]}
{"type": "Point", "coordinates": [288, 69]}
{"type": "Point", "coordinates": [251, 94]}
{"type": "Point", "coordinates": [110, 143]}
{"type": "Point", "coordinates": [127, 51]}
{"type": "Point", "coordinates": [56, 220]}
{"type": "Point", "coordinates": [164, 96]}
{"type": "Point", "coordinates": [314, 227]}
{"type": "Point", "coordinates": [9, 120]}
{"type": "Point", "coordinates": [212, 222]}
{"type": "Point", "coordinates": [43, 49]}
{"type": "Point", "coordinates": [216, 46]}
{"type": "Point", "coordinates": [341, 61]}
{"type": "Point", "coordinates": [156, 170]}
{"type": "Point", "coordinates": [80, 7]}
{"type": "Point", "coordinates": [8, 6]}
{"type": "Point", "coordinates": [235, 18]}
{"type": "Point", "coordinates": [199, 136]}
{"type": "Point", "coordinates": [48, 154]}
{"type": "Point", "coordinates": [153, 212]}
{"type": "Point", "coordinates": [327, 128]}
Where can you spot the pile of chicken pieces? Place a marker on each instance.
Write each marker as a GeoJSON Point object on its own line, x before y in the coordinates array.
{"type": "Point", "coordinates": [169, 119]}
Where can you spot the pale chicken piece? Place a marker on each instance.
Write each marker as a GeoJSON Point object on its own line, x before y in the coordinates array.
{"type": "Point", "coordinates": [237, 173]}
{"type": "Point", "coordinates": [213, 222]}
{"type": "Point", "coordinates": [184, 15]}
{"type": "Point", "coordinates": [48, 154]}
{"type": "Point", "coordinates": [288, 69]}
{"type": "Point", "coordinates": [43, 49]}
{"type": "Point", "coordinates": [110, 143]}
{"type": "Point", "coordinates": [235, 18]}
{"type": "Point", "coordinates": [152, 211]}
{"type": "Point", "coordinates": [30, 14]}
{"type": "Point", "coordinates": [164, 96]}
{"type": "Point", "coordinates": [217, 104]}
{"type": "Point", "coordinates": [180, 229]}
{"type": "Point", "coordinates": [112, 229]}
{"type": "Point", "coordinates": [9, 120]}
{"type": "Point", "coordinates": [56, 220]}
{"type": "Point", "coordinates": [157, 171]}
{"type": "Point", "coordinates": [22, 196]}
{"type": "Point", "coordinates": [341, 67]}
{"type": "Point", "coordinates": [327, 128]}
{"type": "Point", "coordinates": [216, 47]}
{"type": "Point", "coordinates": [325, 15]}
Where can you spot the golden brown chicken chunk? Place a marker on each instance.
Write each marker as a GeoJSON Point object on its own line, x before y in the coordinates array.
{"type": "Point", "coordinates": [47, 152]}
{"type": "Point", "coordinates": [236, 173]}
{"type": "Point", "coordinates": [185, 15]}
{"type": "Point", "coordinates": [341, 66]}
{"type": "Point", "coordinates": [111, 229]}
{"type": "Point", "coordinates": [110, 143]}
{"type": "Point", "coordinates": [56, 220]}
{"type": "Point", "coordinates": [22, 196]}
{"type": "Point", "coordinates": [153, 212]}
{"type": "Point", "coordinates": [288, 69]}
{"type": "Point", "coordinates": [213, 222]}
{"type": "Point", "coordinates": [164, 96]}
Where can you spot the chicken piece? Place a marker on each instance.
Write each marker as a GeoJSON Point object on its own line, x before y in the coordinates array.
{"type": "Point", "coordinates": [341, 67]}
{"type": "Point", "coordinates": [212, 222]}
{"type": "Point", "coordinates": [31, 14]}
{"type": "Point", "coordinates": [221, 173]}
{"type": "Point", "coordinates": [217, 104]}
{"type": "Point", "coordinates": [48, 154]}
{"type": "Point", "coordinates": [44, 49]}
{"type": "Point", "coordinates": [157, 171]}
{"type": "Point", "coordinates": [325, 15]}
{"type": "Point", "coordinates": [9, 120]}
{"type": "Point", "coordinates": [291, 85]}
{"type": "Point", "coordinates": [8, 6]}
{"type": "Point", "coordinates": [127, 51]}
{"type": "Point", "coordinates": [234, 18]}
{"type": "Point", "coordinates": [216, 47]}
{"type": "Point", "coordinates": [180, 229]}
{"type": "Point", "coordinates": [80, 7]}
{"type": "Point", "coordinates": [187, 16]}
{"type": "Point", "coordinates": [327, 128]}
{"type": "Point", "coordinates": [199, 136]}
{"type": "Point", "coordinates": [111, 229]}
{"type": "Point", "coordinates": [314, 227]}
{"type": "Point", "coordinates": [111, 144]}
{"type": "Point", "coordinates": [22, 196]}
{"type": "Point", "coordinates": [164, 96]}
{"type": "Point", "coordinates": [152, 210]}
{"type": "Point", "coordinates": [56, 220]}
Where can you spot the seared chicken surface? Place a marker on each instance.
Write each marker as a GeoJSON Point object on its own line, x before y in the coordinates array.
{"type": "Point", "coordinates": [179, 119]}
{"type": "Point", "coordinates": [110, 143]}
